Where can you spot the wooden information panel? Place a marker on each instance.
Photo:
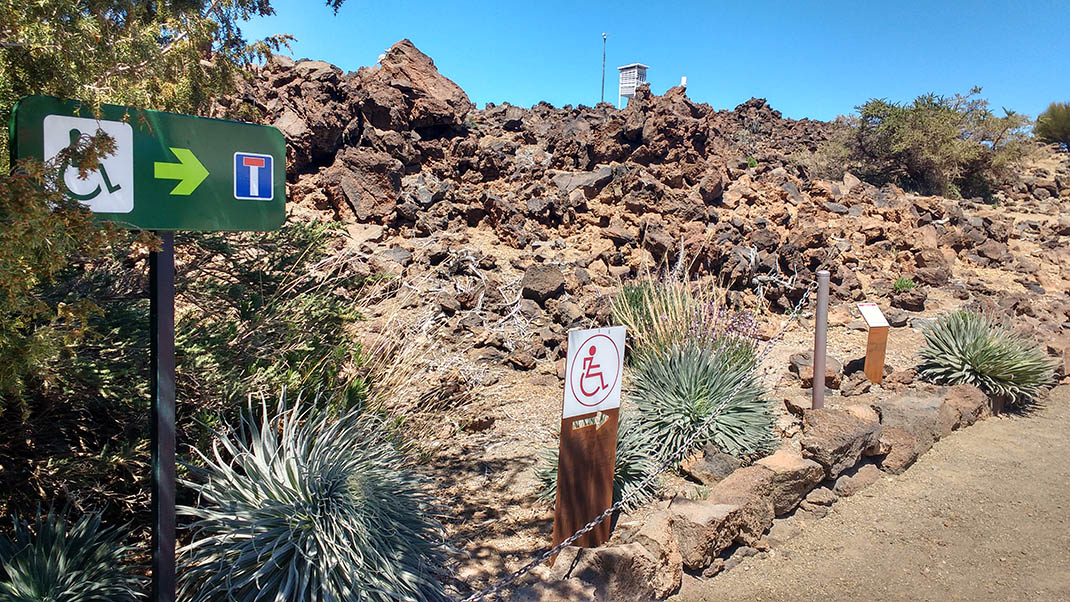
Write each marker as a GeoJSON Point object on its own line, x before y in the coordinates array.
{"type": "Point", "coordinates": [876, 343]}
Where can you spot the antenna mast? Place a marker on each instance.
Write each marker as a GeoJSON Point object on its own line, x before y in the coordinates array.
{"type": "Point", "coordinates": [604, 36]}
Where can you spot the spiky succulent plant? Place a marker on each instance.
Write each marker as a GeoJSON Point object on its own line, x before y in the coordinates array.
{"type": "Point", "coordinates": [53, 560]}
{"type": "Point", "coordinates": [965, 347]}
{"type": "Point", "coordinates": [634, 463]}
{"type": "Point", "coordinates": [304, 506]}
{"type": "Point", "coordinates": [676, 390]}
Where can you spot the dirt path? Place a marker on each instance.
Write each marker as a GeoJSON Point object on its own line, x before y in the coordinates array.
{"type": "Point", "coordinates": [983, 516]}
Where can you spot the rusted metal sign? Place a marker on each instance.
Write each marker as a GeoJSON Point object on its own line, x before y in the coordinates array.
{"type": "Point", "coordinates": [589, 418]}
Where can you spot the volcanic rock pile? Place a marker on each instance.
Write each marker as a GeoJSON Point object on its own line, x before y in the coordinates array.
{"type": "Point", "coordinates": [571, 199]}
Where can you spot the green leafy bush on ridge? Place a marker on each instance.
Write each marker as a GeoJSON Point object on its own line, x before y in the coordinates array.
{"type": "Point", "coordinates": [309, 504]}
{"type": "Point", "coordinates": [53, 560]}
{"type": "Point", "coordinates": [948, 145]}
{"type": "Point", "coordinates": [1053, 125]}
{"type": "Point", "coordinates": [965, 347]}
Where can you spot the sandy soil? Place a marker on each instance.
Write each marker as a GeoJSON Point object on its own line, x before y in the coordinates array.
{"type": "Point", "coordinates": [983, 516]}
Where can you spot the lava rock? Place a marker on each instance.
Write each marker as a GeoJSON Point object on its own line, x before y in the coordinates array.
{"type": "Point", "coordinates": [541, 283]}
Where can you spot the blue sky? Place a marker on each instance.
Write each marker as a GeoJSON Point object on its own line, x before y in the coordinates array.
{"type": "Point", "coordinates": [809, 59]}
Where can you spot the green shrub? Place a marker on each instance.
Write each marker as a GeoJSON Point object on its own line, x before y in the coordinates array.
{"type": "Point", "coordinates": [302, 504]}
{"type": "Point", "coordinates": [42, 232]}
{"type": "Point", "coordinates": [676, 391]}
{"type": "Point", "coordinates": [902, 284]}
{"type": "Point", "coordinates": [53, 561]}
{"type": "Point", "coordinates": [949, 145]}
{"type": "Point", "coordinates": [832, 157]}
{"type": "Point", "coordinates": [634, 464]}
{"type": "Point", "coordinates": [667, 311]}
{"type": "Point", "coordinates": [256, 312]}
{"type": "Point", "coordinates": [263, 313]}
{"type": "Point", "coordinates": [1053, 125]}
{"type": "Point", "coordinates": [964, 347]}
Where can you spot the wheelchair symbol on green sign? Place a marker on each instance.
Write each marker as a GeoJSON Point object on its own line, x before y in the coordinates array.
{"type": "Point", "coordinates": [75, 136]}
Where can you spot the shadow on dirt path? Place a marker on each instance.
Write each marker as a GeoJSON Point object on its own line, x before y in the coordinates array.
{"type": "Point", "coordinates": [982, 516]}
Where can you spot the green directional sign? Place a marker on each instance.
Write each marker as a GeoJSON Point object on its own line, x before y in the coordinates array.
{"type": "Point", "coordinates": [169, 171]}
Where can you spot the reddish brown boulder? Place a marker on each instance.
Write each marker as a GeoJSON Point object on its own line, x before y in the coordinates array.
{"type": "Point", "coordinates": [407, 91]}
{"type": "Point", "coordinates": [621, 572]}
{"type": "Point", "coordinates": [703, 529]}
{"type": "Point", "coordinates": [657, 537]}
{"type": "Point", "coordinates": [541, 283]}
{"type": "Point", "coordinates": [970, 402]}
{"type": "Point", "coordinates": [850, 484]}
{"type": "Point", "coordinates": [793, 478]}
{"type": "Point", "coordinates": [750, 489]}
{"type": "Point", "coordinates": [926, 417]}
{"type": "Point", "coordinates": [835, 439]}
{"type": "Point", "coordinates": [901, 449]}
{"type": "Point", "coordinates": [366, 182]}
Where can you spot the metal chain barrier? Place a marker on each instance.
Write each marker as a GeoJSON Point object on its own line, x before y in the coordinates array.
{"type": "Point", "coordinates": [669, 462]}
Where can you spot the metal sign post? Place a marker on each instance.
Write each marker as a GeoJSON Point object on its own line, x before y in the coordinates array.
{"type": "Point", "coordinates": [589, 418]}
{"type": "Point", "coordinates": [162, 318]}
{"type": "Point", "coordinates": [821, 326]}
{"type": "Point", "coordinates": [168, 172]}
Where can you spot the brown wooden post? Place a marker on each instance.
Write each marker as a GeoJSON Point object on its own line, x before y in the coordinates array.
{"type": "Point", "coordinates": [587, 455]}
{"type": "Point", "coordinates": [875, 347]}
{"type": "Point", "coordinates": [876, 342]}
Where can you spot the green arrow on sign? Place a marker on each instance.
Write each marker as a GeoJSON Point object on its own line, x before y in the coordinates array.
{"type": "Point", "coordinates": [189, 170]}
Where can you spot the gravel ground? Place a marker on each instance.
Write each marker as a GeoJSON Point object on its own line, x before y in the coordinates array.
{"type": "Point", "coordinates": [982, 516]}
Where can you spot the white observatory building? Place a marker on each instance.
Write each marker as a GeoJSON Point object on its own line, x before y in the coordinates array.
{"type": "Point", "coordinates": [631, 77]}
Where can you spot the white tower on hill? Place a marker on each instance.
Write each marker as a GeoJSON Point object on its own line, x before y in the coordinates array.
{"type": "Point", "coordinates": [631, 76]}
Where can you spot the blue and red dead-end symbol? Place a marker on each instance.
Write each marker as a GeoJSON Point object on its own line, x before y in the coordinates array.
{"type": "Point", "coordinates": [253, 177]}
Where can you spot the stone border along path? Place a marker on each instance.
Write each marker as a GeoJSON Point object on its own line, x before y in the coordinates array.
{"type": "Point", "coordinates": [846, 448]}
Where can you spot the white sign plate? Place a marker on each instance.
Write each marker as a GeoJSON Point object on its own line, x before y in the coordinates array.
{"type": "Point", "coordinates": [593, 370]}
{"type": "Point", "coordinates": [873, 315]}
{"type": "Point", "coordinates": [109, 189]}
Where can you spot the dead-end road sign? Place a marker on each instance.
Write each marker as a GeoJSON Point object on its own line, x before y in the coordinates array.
{"type": "Point", "coordinates": [588, 449]}
{"type": "Point", "coordinates": [169, 172]}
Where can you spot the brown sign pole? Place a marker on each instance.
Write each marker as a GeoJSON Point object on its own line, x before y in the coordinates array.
{"type": "Point", "coordinates": [589, 418]}
{"type": "Point", "coordinates": [585, 475]}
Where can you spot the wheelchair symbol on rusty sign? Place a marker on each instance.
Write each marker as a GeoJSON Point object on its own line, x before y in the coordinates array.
{"type": "Point", "coordinates": [595, 370]}
{"type": "Point", "coordinates": [590, 371]}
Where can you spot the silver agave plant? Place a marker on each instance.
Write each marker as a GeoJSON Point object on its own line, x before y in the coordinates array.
{"type": "Point", "coordinates": [53, 560]}
{"type": "Point", "coordinates": [304, 506]}
{"type": "Point", "coordinates": [676, 390]}
{"type": "Point", "coordinates": [965, 347]}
